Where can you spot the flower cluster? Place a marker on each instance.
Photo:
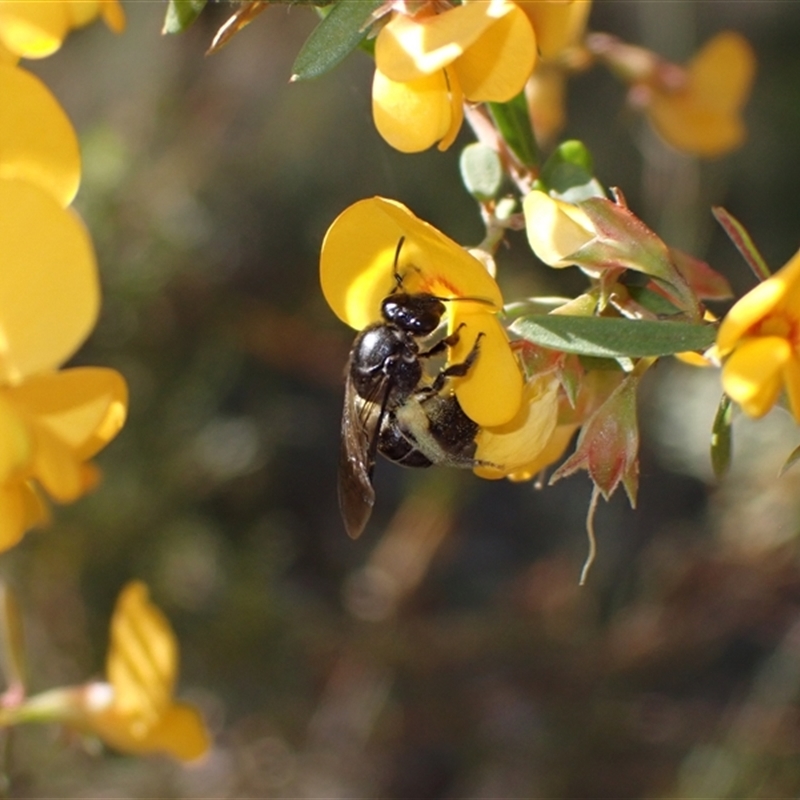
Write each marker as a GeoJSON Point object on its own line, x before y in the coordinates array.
{"type": "Point", "coordinates": [52, 421]}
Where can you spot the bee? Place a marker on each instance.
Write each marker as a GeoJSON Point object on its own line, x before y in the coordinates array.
{"type": "Point", "coordinates": [391, 406]}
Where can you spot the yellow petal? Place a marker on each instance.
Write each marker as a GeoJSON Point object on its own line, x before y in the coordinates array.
{"type": "Point", "coordinates": [704, 117]}
{"type": "Point", "coordinates": [33, 29]}
{"type": "Point", "coordinates": [553, 450]}
{"type": "Point", "coordinates": [791, 380]}
{"type": "Point", "coordinates": [16, 442]}
{"type": "Point", "coordinates": [546, 94]}
{"type": "Point", "coordinates": [6, 56]}
{"type": "Point", "coordinates": [497, 65]}
{"type": "Point", "coordinates": [37, 141]}
{"type": "Point", "coordinates": [752, 375]}
{"type": "Point", "coordinates": [180, 733]}
{"type": "Point", "coordinates": [521, 440]}
{"type": "Point", "coordinates": [558, 23]}
{"type": "Point", "coordinates": [56, 467]}
{"type": "Point", "coordinates": [751, 309]}
{"type": "Point", "coordinates": [414, 115]}
{"type": "Point", "coordinates": [357, 262]}
{"type": "Point", "coordinates": [113, 15]}
{"type": "Point", "coordinates": [84, 407]}
{"type": "Point", "coordinates": [50, 293]}
{"type": "Point", "coordinates": [408, 48]}
{"type": "Point", "coordinates": [81, 12]}
{"type": "Point", "coordinates": [456, 97]}
{"type": "Point", "coordinates": [142, 659]}
{"type": "Point", "coordinates": [555, 229]}
{"type": "Point", "coordinates": [491, 391]}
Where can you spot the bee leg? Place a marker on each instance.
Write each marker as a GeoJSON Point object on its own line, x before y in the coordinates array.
{"type": "Point", "coordinates": [448, 341]}
{"type": "Point", "coordinates": [457, 370]}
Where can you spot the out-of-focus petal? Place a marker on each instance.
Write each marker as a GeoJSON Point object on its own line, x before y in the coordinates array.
{"type": "Point", "coordinates": [37, 141]}
{"type": "Point", "coordinates": [181, 733]}
{"type": "Point", "coordinates": [555, 229]}
{"type": "Point", "coordinates": [558, 23]}
{"type": "Point", "coordinates": [12, 516]}
{"type": "Point", "coordinates": [491, 391]}
{"type": "Point", "coordinates": [50, 294]}
{"type": "Point", "coordinates": [6, 56]}
{"type": "Point", "coordinates": [546, 94]}
{"type": "Point", "coordinates": [16, 442]}
{"type": "Point", "coordinates": [497, 65]}
{"type": "Point", "coordinates": [408, 48]}
{"type": "Point", "coordinates": [32, 28]}
{"type": "Point", "coordinates": [85, 406]}
{"type": "Point", "coordinates": [520, 441]}
{"type": "Point", "coordinates": [752, 374]}
{"type": "Point", "coordinates": [56, 467]}
{"type": "Point", "coordinates": [142, 659]}
{"type": "Point", "coordinates": [414, 115]}
{"type": "Point", "coordinates": [357, 262]}
{"type": "Point", "coordinates": [113, 15]}
{"type": "Point", "coordinates": [704, 117]}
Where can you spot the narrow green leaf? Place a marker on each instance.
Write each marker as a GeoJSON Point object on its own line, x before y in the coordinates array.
{"type": "Point", "coordinates": [514, 123]}
{"type": "Point", "coordinates": [339, 33]}
{"type": "Point", "coordinates": [612, 337]}
{"type": "Point", "coordinates": [722, 437]}
{"type": "Point", "coordinates": [652, 301]}
{"type": "Point", "coordinates": [181, 14]}
{"type": "Point", "coordinates": [481, 171]}
{"type": "Point", "coordinates": [738, 234]}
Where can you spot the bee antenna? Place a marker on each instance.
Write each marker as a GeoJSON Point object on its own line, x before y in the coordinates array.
{"type": "Point", "coordinates": [397, 276]}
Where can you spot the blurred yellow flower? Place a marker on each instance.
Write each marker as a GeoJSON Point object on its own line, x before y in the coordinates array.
{"type": "Point", "coordinates": [702, 115]}
{"type": "Point", "coordinates": [357, 273]}
{"type": "Point", "coordinates": [760, 341]}
{"type": "Point", "coordinates": [559, 25]}
{"type": "Point", "coordinates": [37, 28]}
{"type": "Point", "coordinates": [134, 712]}
{"type": "Point", "coordinates": [427, 65]}
{"type": "Point", "coordinates": [37, 141]}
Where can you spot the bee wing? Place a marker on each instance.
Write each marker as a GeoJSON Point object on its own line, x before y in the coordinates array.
{"type": "Point", "coordinates": [361, 421]}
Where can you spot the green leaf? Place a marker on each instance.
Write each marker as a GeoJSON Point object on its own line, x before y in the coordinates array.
{"type": "Point", "coordinates": [514, 123]}
{"type": "Point", "coordinates": [722, 437]}
{"type": "Point", "coordinates": [613, 337]}
{"type": "Point", "coordinates": [339, 33]}
{"type": "Point", "coordinates": [652, 301]}
{"type": "Point", "coordinates": [181, 14]}
{"type": "Point", "coordinates": [481, 171]}
{"type": "Point", "coordinates": [569, 173]}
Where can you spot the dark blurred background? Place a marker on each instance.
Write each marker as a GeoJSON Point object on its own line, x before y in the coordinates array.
{"type": "Point", "coordinates": [449, 652]}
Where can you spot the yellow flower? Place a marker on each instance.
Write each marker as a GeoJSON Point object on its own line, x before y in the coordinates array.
{"type": "Point", "coordinates": [51, 422]}
{"type": "Point", "coordinates": [37, 28]}
{"type": "Point", "coordinates": [556, 229]}
{"type": "Point", "coordinates": [37, 141]}
{"type": "Point", "coordinates": [702, 116]}
{"type": "Point", "coordinates": [50, 425]}
{"type": "Point", "coordinates": [357, 273]}
{"type": "Point", "coordinates": [427, 65]}
{"type": "Point", "coordinates": [134, 712]}
{"type": "Point", "coordinates": [558, 23]}
{"type": "Point", "coordinates": [523, 446]}
{"type": "Point", "coordinates": [760, 339]}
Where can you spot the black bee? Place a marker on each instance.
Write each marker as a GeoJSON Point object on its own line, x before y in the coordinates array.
{"type": "Point", "coordinates": [392, 407]}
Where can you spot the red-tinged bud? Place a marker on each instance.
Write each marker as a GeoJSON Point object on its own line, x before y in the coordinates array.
{"type": "Point", "coordinates": [608, 444]}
